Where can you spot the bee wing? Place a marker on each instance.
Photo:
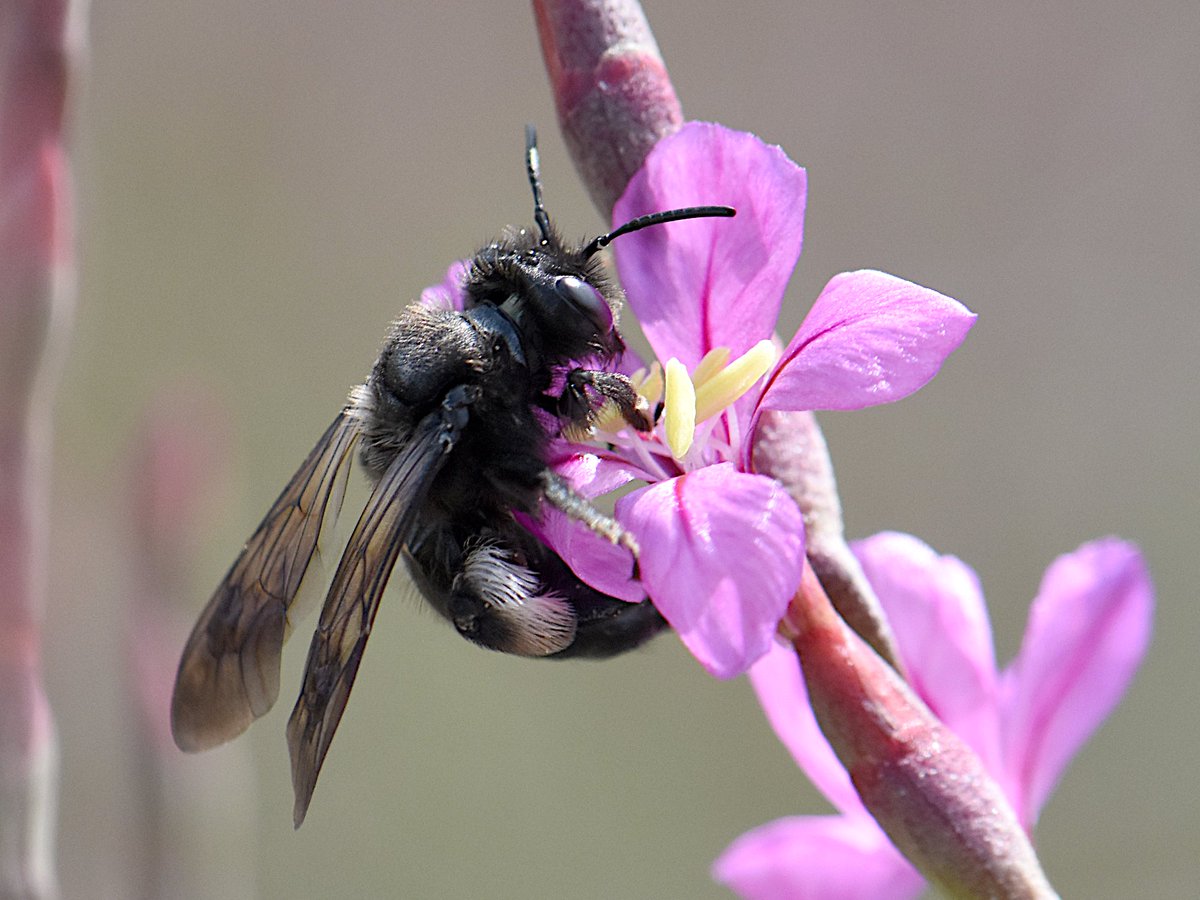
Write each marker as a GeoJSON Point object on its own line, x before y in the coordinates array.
{"type": "Point", "coordinates": [337, 645]}
{"type": "Point", "coordinates": [229, 673]}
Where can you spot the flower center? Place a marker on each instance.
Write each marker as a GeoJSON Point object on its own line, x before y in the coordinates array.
{"type": "Point", "coordinates": [714, 385]}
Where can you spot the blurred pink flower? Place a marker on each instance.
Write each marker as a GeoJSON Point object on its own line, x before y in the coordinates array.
{"type": "Point", "coordinates": [1087, 633]}
{"type": "Point", "coordinates": [722, 545]}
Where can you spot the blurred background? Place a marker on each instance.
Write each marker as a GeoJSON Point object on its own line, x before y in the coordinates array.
{"type": "Point", "coordinates": [261, 187]}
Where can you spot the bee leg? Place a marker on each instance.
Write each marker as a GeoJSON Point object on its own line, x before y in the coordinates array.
{"type": "Point", "coordinates": [605, 626]}
{"type": "Point", "coordinates": [575, 404]}
{"type": "Point", "coordinates": [558, 493]}
{"type": "Point", "coordinates": [498, 603]}
{"type": "Point", "coordinates": [542, 609]}
{"type": "Point", "coordinates": [455, 413]}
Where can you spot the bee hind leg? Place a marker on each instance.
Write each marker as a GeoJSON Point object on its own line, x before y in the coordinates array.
{"type": "Point", "coordinates": [500, 604]}
{"type": "Point", "coordinates": [605, 626]}
{"type": "Point", "coordinates": [542, 609]}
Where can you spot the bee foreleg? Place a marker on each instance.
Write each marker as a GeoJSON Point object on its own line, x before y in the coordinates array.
{"type": "Point", "coordinates": [455, 413]}
{"type": "Point", "coordinates": [615, 390]}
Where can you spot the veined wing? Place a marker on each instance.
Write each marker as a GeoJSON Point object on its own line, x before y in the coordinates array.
{"type": "Point", "coordinates": [349, 611]}
{"type": "Point", "coordinates": [229, 673]}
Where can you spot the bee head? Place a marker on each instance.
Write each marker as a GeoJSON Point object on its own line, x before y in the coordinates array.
{"type": "Point", "coordinates": [572, 290]}
{"type": "Point", "coordinates": [557, 295]}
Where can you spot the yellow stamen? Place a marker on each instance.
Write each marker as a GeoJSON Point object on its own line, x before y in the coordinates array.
{"type": "Point", "coordinates": [714, 361]}
{"type": "Point", "coordinates": [607, 419]}
{"type": "Point", "coordinates": [724, 387]}
{"type": "Point", "coordinates": [679, 412]}
{"type": "Point", "coordinates": [649, 383]}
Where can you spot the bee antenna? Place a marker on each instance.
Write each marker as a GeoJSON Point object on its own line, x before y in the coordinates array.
{"type": "Point", "coordinates": [533, 167]}
{"type": "Point", "coordinates": [658, 218]}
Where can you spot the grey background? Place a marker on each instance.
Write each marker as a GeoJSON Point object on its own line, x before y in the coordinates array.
{"type": "Point", "coordinates": [261, 186]}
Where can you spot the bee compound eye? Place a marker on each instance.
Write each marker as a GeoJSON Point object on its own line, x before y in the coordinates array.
{"type": "Point", "coordinates": [587, 300]}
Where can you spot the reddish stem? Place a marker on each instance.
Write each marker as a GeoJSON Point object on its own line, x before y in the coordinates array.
{"type": "Point", "coordinates": [611, 89]}
{"type": "Point", "coordinates": [925, 787]}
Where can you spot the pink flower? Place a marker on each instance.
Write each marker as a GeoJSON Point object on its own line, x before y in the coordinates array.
{"type": "Point", "coordinates": [722, 546]}
{"type": "Point", "coordinates": [1087, 632]}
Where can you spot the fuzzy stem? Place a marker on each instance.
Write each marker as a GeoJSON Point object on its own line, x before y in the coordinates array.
{"type": "Point", "coordinates": [615, 101]}
{"type": "Point", "coordinates": [925, 787]}
{"type": "Point", "coordinates": [611, 89]}
{"type": "Point", "coordinates": [790, 447]}
{"type": "Point", "coordinates": [35, 310]}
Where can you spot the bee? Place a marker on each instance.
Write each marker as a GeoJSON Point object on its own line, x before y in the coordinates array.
{"type": "Point", "coordinates": [452, 427]}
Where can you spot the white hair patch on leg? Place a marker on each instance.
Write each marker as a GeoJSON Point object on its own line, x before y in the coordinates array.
{"type": "Point", "coordinates": [538, 623]}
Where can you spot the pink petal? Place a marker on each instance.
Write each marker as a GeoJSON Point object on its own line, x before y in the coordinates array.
{"type": "Point", "coordinates": [936, 608]}
{"type": "Point", "coordinates": [597, 561]}
{"type": "Point", "coordinates": [870, 338]}
{"type": "Point", "coordinates": [784, 698]}
{"type": "Point", "coordinates": [809, 857]}
{"type": "Point", "coordinates": [629, 362]}
{"type": "Point", "coordinates": [592, 472]}
{"type": "Point", "coordinates": [449, 293]}
{"type": "Point", "coordinates": [708, 283]}
{"type": "Point", "coordinates": [1087, 633]}
{"type": "Point", "coordinates": [594, 559]}
{"type": "Point", "coordinates": [721, 557]}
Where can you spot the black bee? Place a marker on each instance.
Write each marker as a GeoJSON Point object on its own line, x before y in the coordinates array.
{"type": "Point", "coordinates": [452, 427]}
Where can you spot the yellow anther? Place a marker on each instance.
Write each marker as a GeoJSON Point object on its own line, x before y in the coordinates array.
{"type": "Point", "coordinates": [724, 387]}
{"type": "Point", "coordinates": [679, 411]}
{"type": "Point", "coordinates": [607, 418]}
{"type": "Point", "coordinates": [649, 383]}
{"type": "Point", "coordinates": [581, 433]}
{"type": "Point", "coordinates": [714, 361]}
